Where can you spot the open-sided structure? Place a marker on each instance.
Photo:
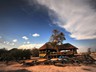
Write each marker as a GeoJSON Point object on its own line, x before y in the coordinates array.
{"type": "Point", "coordinates": [47, 50]}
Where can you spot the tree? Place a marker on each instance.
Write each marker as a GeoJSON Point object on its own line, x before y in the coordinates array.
{"type": "Point", "coordinates": [3, 52]}
{"type": "Point", "coordinates": [20, 54]}
{"type": "Point", "coordinates": [27, 53]}
{"type": "Point", "coordinates": [35, 52]}
{"type": "Point", "coordinates": [57, 37]}
{"type": "Point", "coordinates": [14, 54]}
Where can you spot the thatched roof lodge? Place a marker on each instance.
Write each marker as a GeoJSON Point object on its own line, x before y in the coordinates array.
{"type": "Point", "coordinates": [50, 50]}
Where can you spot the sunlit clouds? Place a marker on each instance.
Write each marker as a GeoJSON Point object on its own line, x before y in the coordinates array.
{"type": "Point", "coordinates": [30, 46]}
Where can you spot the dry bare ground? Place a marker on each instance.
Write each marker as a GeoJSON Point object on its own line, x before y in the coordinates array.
{"type": "Point", "coordinates": [16, 67]}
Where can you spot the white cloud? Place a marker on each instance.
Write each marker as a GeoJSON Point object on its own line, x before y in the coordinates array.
{"type": "Point", "coordinates": [15, 40]}
{"type": "Point", "coordinates": [4, 42]}
{"type": "Point", "coordinates": [28, 42]}
{"type": "Point", "coordinates": [30, 46]}
{"type": "Point", "coordinates": [35, 35]}
{"type": "Point", "coordinates": [7, 42]}
{"type": "Point", "coordinates": [75, 16]}
{"type": "Point", "coordinates": [25, 37]}
{"type": "Point", "coordinates": [24, 42]}
{"type": "Point", "coordinates": [12, 44]}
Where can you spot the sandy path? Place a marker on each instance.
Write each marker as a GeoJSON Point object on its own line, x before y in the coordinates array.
{"type": "Point", "coordinates": [51, 68]}
{"type": "Point", "coordinates": [45, 68]}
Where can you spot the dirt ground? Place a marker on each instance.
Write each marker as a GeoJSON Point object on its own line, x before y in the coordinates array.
{"type": "Point", "coordinates": [16, 67]}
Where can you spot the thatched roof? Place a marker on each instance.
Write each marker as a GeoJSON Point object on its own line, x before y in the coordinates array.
{"type": "Point", "coordinates": [66, 46]}
{"type": "Point", "coordinates": [47, 46]}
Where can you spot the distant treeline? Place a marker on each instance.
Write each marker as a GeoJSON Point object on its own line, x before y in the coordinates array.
{"type": "Point", "coordinates": [18, 54]}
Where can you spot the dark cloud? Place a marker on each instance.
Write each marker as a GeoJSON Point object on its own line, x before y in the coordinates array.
{"type": "Point", "coordinates": [6, 5]}
{"type": "Point", "coordinates": [13, 2]}
{"type": "Point", "coordinates": [92, 4]}
{"type": "Point", "coordinates": [21, 7]}
{"type": "Point", "coordinates": [21, 14]}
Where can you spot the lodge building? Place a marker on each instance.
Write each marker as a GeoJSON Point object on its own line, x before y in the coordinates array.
{"type": "Point", "coordinates": [47, 50]}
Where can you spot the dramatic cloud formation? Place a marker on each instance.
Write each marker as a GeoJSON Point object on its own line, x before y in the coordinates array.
{"type": "Point", "coordinates": [15, 40]}
{"type": "Point", "coordinates": [36, 35]}
{"type": "Point", "coordinates": [25, 37]}
{"type": "Point", "coordinates": [75, 16]}
{"type": "Point", "coordinates": [30, 46]}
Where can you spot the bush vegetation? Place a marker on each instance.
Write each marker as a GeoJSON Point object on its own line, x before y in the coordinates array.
{"type": "Point", "coordinates": [16, 54]}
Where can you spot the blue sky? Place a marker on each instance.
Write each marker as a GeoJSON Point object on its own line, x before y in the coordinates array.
{"type": "Point", "coordinates": [29, 23]}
